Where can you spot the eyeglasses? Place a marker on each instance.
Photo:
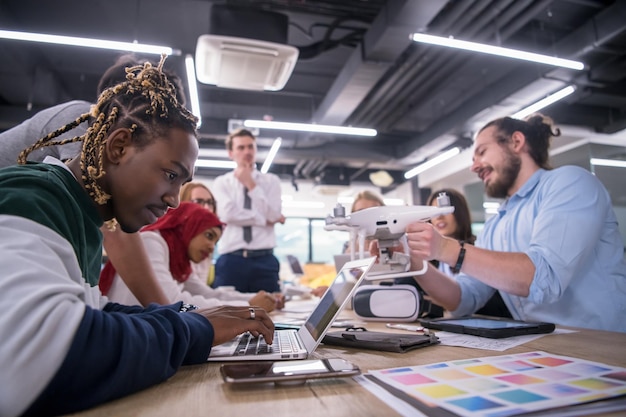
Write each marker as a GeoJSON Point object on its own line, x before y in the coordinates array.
{"type": "Point", "coordinates": [208, 202]}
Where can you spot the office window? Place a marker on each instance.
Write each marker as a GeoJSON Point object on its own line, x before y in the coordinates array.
{"type": "Point", "coordinates": [326, 244]}
{"type": "Point", "coordinates": [292, 238]}
{"type": "Point", "coordinates": [307, 240]}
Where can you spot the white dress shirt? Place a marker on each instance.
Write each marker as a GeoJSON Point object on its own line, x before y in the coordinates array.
{"type": "Point", "coordinates": [266, 206]}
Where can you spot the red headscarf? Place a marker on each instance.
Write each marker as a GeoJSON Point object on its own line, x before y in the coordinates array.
{"type": "Point", "coordinates": [178, 227]}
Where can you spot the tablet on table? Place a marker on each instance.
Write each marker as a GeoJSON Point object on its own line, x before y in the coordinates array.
{"type": "Point", "coordinates": [492, 327]}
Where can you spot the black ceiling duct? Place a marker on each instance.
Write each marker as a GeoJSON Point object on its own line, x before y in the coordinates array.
{"type": "Point", "coordinates": [246, 22]}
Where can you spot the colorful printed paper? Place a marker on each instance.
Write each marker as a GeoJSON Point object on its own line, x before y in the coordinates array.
{"type": "Point", "coordinates": [506, 385]}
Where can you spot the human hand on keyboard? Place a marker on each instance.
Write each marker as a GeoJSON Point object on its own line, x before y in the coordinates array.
{"type": "Point", "coordinates": [230, 321]}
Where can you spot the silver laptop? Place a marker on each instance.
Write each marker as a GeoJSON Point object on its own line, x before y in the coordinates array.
{"type": "Point", "coordinates": [341, 259]}
{"type": "Point", "coordinates": [295, 266]}
{"type": "Point", "coordinates": [298, 344]}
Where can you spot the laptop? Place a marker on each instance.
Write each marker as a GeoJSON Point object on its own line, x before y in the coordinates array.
{"type": "Point", "coordinates": [295, 266]}
{"type": "Point", "coordinates": [341, 259]}
{"type": "Point", "coordinates": [299, 344]}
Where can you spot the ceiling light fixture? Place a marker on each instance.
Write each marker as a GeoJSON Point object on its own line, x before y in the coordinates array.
{"type": "Point", "coordinates": [193, 88]}
{"type": "Point", "coordinates": [552, 98]}
{"type": "Point", "coordinates": [88, 42]}
{"type": "Point", "coordinates": [213, 163]}
{"type": "Point", "coordinates": [608, 162]}
{"type": "Point", "coordinates": [381, 178]}
{"type": "Point", "coordinates": [432, 162]}
{"type": "Point", "coordinates": [304, 204]}
{"type": "Point", "coordinates": [496, 50]}
{"type": "Point", "coordinates": [271, 155]}
{"type": "Point", "coordinates": [306, 127]}
{"type": "Point", "coordinates": [345, 199]}
{"type": "Point", "coordinates": [491, 207]}
{"type": "Point", "coordinates": [394, 201]}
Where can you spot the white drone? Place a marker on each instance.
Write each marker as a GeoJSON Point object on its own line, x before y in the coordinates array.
{"type": "Point", "coordinates": [386, 224]}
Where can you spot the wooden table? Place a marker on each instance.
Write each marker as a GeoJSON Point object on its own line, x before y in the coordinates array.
{"type": "Point", "coordinates": [199, 391]}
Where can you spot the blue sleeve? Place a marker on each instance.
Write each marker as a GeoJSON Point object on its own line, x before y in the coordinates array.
{"type": "Point", "coordinates": [115, 354]}
{"type": "Point", "coordinates": [121, 308]}
{"type": "Point", "coordinates": [566, 231]}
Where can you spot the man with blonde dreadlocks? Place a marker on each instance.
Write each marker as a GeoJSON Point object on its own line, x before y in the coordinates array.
{"type": "Point", "coordinates": [124, 250]}
{"type": "Point", "coordinates": [64, 347]}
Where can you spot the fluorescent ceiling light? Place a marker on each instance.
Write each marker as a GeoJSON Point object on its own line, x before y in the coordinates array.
{"type": "Point", "coordinates": [394, 201]}
{"type": "Point", "coordinates": [609, 162]}
{"type": "Point", "coordinates": [88, 42]}
{"type": "Point", "coordinates": [271, 155]}
{"type": "Point", "coordinates": [303, 204]}
{"type": "Point", "coordinates": [432, 162]}
{"type": "Point", "coordinates": [552, 98]}
{"type": "Point", "coordinates": [491, 205]}
{"type": "Point", "coordinates": [212, 163]}
{"type": "Point", "coordinates": [345, 200]}
{"type": "Point", "coordinates": [387, 201]}
{"type": "Point", "coordinates": [210, 153]}
{"type": "Point", "coordinates": [496, 50]}
{"type": "Point", "coordinates": [193, 88]}
{"type": "Point", "coordinates": [306, 127]}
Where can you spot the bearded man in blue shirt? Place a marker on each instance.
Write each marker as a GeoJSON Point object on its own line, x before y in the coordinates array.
{"type": "Point", "coordinates": [553, 250]}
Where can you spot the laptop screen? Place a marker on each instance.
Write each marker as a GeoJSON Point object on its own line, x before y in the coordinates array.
{"type": "Point", "coordinates": [295, 265]}
{"type": "Point", "coordinates": [341, 259]}
{"type": "Point", "coordinates": [336, 297]}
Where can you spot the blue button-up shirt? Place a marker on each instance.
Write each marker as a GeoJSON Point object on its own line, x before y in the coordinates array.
{"type": "Point", "coordinates": [563, 220]}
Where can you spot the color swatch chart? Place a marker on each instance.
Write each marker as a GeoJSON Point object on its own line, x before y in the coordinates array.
{"type": "Point", "coordinates": [505, 385]}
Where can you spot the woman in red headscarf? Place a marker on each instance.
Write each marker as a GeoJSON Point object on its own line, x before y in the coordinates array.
{"type": "Point", "coordinates": [183, 235]}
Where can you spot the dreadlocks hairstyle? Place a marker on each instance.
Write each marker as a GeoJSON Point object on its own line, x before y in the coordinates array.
{"type": "Point", "coordinates": [146, 104]}
{"type": "Point", "coordinates": [538, 130]}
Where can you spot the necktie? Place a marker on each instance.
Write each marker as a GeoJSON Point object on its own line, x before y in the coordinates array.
{"type": "Point", "coordinates": [247, 204]}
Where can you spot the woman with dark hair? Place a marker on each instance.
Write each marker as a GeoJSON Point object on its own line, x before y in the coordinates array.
{"type": "Point", "coordinates": [458, 225]}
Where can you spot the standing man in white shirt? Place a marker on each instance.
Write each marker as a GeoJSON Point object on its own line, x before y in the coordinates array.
{"type": "Point", "coordinates": [249, 202]}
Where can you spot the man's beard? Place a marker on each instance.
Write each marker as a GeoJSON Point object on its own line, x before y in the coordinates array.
{"type": "Point", "coordinates": [507, 176]}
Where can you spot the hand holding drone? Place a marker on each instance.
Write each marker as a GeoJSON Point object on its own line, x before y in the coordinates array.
{"type": "Point", "coordinates": [386, 224]}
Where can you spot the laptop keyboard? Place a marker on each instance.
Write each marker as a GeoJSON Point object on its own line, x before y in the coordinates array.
{"type": "Point", "coordinates": [284, 342]}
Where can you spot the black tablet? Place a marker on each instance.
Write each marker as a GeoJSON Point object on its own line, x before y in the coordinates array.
{"type": "Point", "coordinates": [492, 327]}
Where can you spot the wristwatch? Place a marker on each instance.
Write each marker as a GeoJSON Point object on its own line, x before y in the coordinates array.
{"type": "Point", "coordinates": [184, 308]}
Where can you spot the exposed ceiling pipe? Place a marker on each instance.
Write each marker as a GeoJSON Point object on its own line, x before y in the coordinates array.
{"type": "Point", "coordinates": [305, 171]}
{"type": "Point", "coordinates": [383, 44]}
{"type": "Point", "coordinates": [359, 172]}
{"type": "Point", "coordinates": [423, 64]}
{"type": "Point", "coordinates": [322, 166]}
{"type": "Point", "coordinates": [446, 64]}
{"type": "Point", "coordinates": [326, 44]}
{"type": "Point", "coordinates": [435, 64]}
{"type": "Point", "coordinates": [574, 45]}
{"type": "Point", "coordinates": [513, 25]}
{"type": "Point", "coordinates": [298, 168]}
{"type": "Point", "coordinates": [310, 167]}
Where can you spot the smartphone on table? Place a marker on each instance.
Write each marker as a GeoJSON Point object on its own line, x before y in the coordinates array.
{"type": "Point", "coordinates": [288, 372]}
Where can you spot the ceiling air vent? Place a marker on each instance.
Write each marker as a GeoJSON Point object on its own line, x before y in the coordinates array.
{"type": "Point", "coordinates": [241, 63]}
